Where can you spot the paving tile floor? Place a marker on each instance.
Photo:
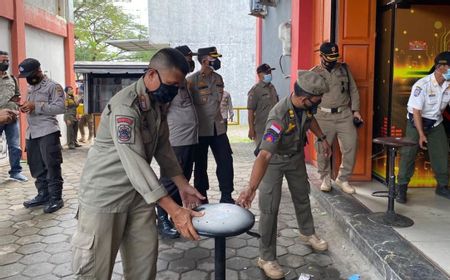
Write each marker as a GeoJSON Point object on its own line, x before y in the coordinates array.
{"type": "Point", "coordinates": [34, 245]}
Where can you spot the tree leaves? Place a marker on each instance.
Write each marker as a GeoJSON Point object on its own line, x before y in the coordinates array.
{"type": "Point", "coordinates": [97, 21]}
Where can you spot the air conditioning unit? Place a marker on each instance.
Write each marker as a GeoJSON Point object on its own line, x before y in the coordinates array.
{"type": "Point", "coordinates": [272, 3]}
{"type": "Point", "coordinates": [257, 9]}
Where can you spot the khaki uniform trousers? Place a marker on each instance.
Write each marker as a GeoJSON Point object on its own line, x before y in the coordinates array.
{"type": "Point", "coordinates": [338, 125]}
{"type": "Point", "coordinates": [134, 232]}
{"type": "Point", "coordinates": [294, 169]}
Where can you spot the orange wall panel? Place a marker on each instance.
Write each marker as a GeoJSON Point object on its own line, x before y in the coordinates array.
{"type": "Point", "coordinates": [356, 15]}
{"type": "Point", "coordinates": [358, 57]}
{"type": "Point", "coordinates": [7, 9]}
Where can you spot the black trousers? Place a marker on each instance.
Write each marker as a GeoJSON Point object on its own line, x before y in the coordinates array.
{"type": "Point", "coordinates": [185, 156]}
{"type": "Point", "coordinates": [45, 158]}
{"type": "Point", "coordinates": [221, 149]}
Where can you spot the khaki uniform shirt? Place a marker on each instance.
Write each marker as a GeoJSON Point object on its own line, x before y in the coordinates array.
{"type": "Point", "coordinates": [261, 99]}
{"type": "Point", "coordinates": [429, 97]}
{"type": "Point", "coordinates": [338, 82]}
{"type": "Point", "coordinates": [285, 134]}
{"type": "Point", "coordinates": [207, 91]}
{"type": "Point", "coordinates": [48, 98]}
{"type": "Point", "coordinates": [71, 109]}
{"type": "Point", "coordinates": [182, 119]}
{"type": "Point", "coordinates": [8, 89]}
{"type": "Point", "coordinates": [118, 164]}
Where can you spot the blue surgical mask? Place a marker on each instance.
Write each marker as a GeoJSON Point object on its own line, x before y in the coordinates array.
{"type": "Point", "coordinates": [447, 75]}
{"type": "Point", "coordinates": [267, 78]}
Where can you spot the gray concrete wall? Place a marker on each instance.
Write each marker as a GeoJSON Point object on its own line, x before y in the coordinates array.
{"type": "Point", "coordinates": [49, 50]}
{"type": "Point", "coordinates": [271, 45]}
{"type": "Point", "coordinates": [5, 35]}
{"type": "Point", "coordinates": [203, 23]}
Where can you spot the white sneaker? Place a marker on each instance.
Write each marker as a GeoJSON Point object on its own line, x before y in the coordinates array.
{"type": "Point", "coordinates": [345, 186]}
{"type": "Point", "coordinates": [316, 242]}
{"type": "Point", "coordinates": [326, 184]}
{"type": "Point", "coordinates": [271, 268]}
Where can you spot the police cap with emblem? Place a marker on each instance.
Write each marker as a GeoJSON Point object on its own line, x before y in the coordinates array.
{"type": "Point", "coordinates": [185, 50]}
{"type": "Point", "coordinates": [330, 51]}
{"type": "Point", "coordinates": [310, 83]}
{"type": "Point", "coordinates": [28, 67]}
{"type": "Point", "coordinates": [264, 68]}
{"type": "Point", "coordinates": [443, 58]}
{"type": "Point", "coordinates": [211, 51]}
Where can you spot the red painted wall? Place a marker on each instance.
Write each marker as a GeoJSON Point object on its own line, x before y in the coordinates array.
{"type": "Point", "coordinates": [22, 15]}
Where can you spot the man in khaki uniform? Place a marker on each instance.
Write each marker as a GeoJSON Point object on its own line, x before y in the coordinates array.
{"type": "Point", "coordinates": [206, 87]}
{"type": "Point", "coordinates": [261, 99]}
{"type": "Point", "coordinates": [281, 154]}
{"type": "Point", "coordinates": [119, 189]}
{"type": "Point", "coordinates": [337, 116]}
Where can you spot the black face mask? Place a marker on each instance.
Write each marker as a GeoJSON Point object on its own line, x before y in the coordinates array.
{"type": "Point", "coordinates": [4, 66]}
{"type": "Point", "coordinates": [313, 107]}
{"type": "Point", "coordinates": [215, 64]}
{"type": "Point", "coordinates": [164, 93]}
{"type": "Point", "coordinates": [191, 65]}
{"type": "Point", "coordinates": [329, 65]}
{"type": "Point", "coordinates": [34, 80]}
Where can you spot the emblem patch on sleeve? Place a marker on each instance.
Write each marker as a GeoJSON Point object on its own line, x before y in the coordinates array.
{"type": "Point", "coordinates": [417, 91]}
{"type": "Point", "coordinates": [125, 129]}
{"type": "Point", "coordinates": [272, 133]}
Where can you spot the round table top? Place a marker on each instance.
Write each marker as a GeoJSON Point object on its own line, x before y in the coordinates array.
{"type": "Point", "coordinates": [395, 142]}
{"type": "Point", "coordinates": [223, 220]}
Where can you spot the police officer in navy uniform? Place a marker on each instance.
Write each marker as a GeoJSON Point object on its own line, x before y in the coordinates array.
{"type": "Point", "coordinates": [45, 100]}
{"type": "Point", "coordinates": [429, 97]}
{"type": "Point", "coordinates": [206, 87]}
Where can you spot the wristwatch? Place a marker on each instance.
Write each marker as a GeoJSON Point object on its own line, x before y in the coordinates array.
{"type": "Point", "coordinates": [321, 138]}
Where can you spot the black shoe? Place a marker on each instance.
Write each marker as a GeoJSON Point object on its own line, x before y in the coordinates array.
{"type": "Point", "coordinates": [77, 145]}
{"type": "Point", "coordinates": [41, 199]}
{"type": "Point", "coordinates": [53, 205]}
{"type": "Point", "coordinates": [401, 193]}
{"type": "Point", "coordinates": [443, 191]}
{"type": "Point", "coordinates": [165, 227]}
{"type": "Point", "coordinates": [71, 147]}
{"type": "Point", "coordinates": [227, 199]}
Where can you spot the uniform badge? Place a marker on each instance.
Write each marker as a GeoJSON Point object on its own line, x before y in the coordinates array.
{"type": "Point", "coordinates": [125, 129]}
{"type": "Point", "coordinates": [417, 91]}
{"type": "Point", "coordinates": [272, 133]}
{"type": "Point", "coordinates": [270, 136]}
{"type": "Point", "coordinates": [144, 102]}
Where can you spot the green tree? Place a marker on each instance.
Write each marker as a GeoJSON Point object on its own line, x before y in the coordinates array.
{"type": "Point", "coordinates": [97, 21]}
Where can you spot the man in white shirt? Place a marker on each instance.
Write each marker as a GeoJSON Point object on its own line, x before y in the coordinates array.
{"type": "Point", "coordinates": [429, 98]}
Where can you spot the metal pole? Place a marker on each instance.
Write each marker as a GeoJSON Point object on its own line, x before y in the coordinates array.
{"type": "Point", "coordinates": [391, 195]}
{"type": "Point", "coordinates": [219, 258]}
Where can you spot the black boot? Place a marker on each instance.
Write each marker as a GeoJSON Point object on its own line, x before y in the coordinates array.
{"type": "Point", "coordinates": [226, 198]}
{"type": "Point", "coordinates": [53, 205]}
{"type": "Point", "coordinates": [401, 193]}
{"type": "Point", "coordinates": [165, 226]}
{"type": "Point", "coordinates": [443, 191]}
{"type": "Point", "coordinates": [41, 199]}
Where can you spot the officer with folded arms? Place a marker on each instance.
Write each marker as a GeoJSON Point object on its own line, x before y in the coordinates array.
{"type": "Point", "coordinates": [428, 100]}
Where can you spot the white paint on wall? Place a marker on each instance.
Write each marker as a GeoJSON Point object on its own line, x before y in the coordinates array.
{"type": "Point", "coordinates": [49, 50]}
{"type": "Point", "coordinates": [204, 23]}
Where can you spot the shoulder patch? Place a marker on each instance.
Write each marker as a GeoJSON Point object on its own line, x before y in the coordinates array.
{"type": "Point", "coordinates": [276, 127]}
{"type": "Point", "coordinates": [417, 91]}
{"type": "Point", "coordinates": [125, 129]}
{"type": "Point", "coordinates": [270, 136]}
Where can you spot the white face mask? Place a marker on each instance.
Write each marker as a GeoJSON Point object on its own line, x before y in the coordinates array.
{"type": "Point", "coordinates": [447, 75]}
{"type": "Point", "coordinates": [267, 78]}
